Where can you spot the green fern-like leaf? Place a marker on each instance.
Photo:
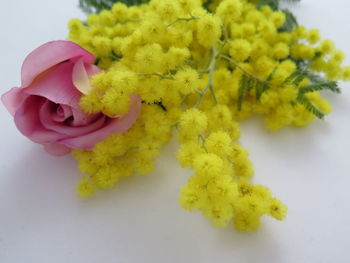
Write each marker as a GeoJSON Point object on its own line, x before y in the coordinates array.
{"type": "Point", "coordinates": [317, 84]}
{"type": "Point", "coordinates": [96, 6]}
{"type": "Point", "coordinates": [330, 85]}
{"type": "Point", "coordinates": [296, 77]}
{"type": "Point", "coordinates": [248, 82]}
{"type": "Point", "coordinates": [262, 87]}
{"type": "Point", "coordinates": [274, 4]}
{"type": "Point", "coordinates": [310, 107]}
{"type": "Point", "coordinates": [207, 3]}
{"type": "Point", "coordinates": [291, 1]}
{"type": "Point", "coordinates": [291, 22]}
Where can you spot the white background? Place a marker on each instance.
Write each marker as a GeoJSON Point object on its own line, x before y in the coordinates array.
{"type": "Point", "coordinates": [42, 220]}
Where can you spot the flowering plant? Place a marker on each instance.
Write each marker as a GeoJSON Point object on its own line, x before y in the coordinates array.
{"type": "Point", "coordinates": [132, 76]}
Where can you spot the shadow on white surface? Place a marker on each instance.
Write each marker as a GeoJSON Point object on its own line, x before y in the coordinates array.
{"type": "Point", "coordinates": [140, 219]}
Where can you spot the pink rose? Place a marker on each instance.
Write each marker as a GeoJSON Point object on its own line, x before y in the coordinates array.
{"type": "Point", "coordinates": [46, 106]}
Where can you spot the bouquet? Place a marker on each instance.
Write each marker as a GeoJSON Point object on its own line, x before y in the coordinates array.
{"type": "Point", "coordinates": [136, 73]}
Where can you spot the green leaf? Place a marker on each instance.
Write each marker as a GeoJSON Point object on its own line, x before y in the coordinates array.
{"type": "Point", "coordinates": [96, 6]}
{"type": "Point", "coordinates": [274, 4]}
{"type": "Point", "coordinates": [330, 85]}
{"type": "Point", "coordinates": [291, 1]}
{"type": "Point", "coordinates": [317, 84]}
{"type": "Point", "coordinates": [207, 3]}
{"type": "Point", "coordinates": [296, 77]}
{"type": "Point", "coordinates": [310, 107]}
{"type": "Point", "coordinates": [258, 90]}
{"type": "Point", "coordinates": [262, 87]}
{"type": "Point", "coordinates": [291, 22]}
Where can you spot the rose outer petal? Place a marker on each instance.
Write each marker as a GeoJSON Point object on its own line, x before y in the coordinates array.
{"type": "Point", "coordinates": [28, 122]}
{"type": "Point", "coordinates": [56, 85]}
{"type": "Point", "coordinates": [91, 69]}
{"type": "Point", "coordinates": [13, 99]}
{"type": "Point", "coordinates": [51, 54]}
{"type": "Point", "coordinates": [81, 75]}
{"type": "Point", "coordinates": [117, 125]}
{"type": "Point", "coordinates": [56, 149]}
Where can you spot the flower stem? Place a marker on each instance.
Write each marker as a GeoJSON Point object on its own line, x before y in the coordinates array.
{"type": "Point", "coordinates": [183, 19]}
{"type": "Point", "coordinates": [209, 86]}
{"type": "Point", "coordinates": [242, 68]}
{"type": "Point", "coordinates": [157, 75]}
{"type": "Point", "coordinates": [202, 141]}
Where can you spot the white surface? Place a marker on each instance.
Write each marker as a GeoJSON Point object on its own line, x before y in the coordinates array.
{"type": "Point", "coordinates": [41, 219]}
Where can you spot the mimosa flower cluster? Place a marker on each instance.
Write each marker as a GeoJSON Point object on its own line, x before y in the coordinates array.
{"type": "Point", "coordinates": [199, 69]}
{"type": "Point", "coordinates": [199, 73]}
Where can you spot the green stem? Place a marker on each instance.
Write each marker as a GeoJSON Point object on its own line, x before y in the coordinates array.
{"type": "Point", "coordinates": [203, 71]}
{"type": "Point", "coordinates": [209, 86]}
{"type": "Point", "coordinates": [225, 35]}
{"type": "Point", "coordinates": [183, 19]}
{"type": "Point", "coordinates": [157, 75]}
{"type": "Point", "coordinates": [242, 68]}
{"type": "Point", "coordinates": [202, 140]}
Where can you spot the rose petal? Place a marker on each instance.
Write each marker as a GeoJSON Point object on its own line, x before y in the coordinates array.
{"type": "Point", "coordinates": [13, 99]}
{"type": "Point", "coordinates": [28, 122]}
{"type": "Point", "coordinates": [118, 125]}
{"type": "Point", "coordinates": [56, 85]}
{"type": "Point", "coordinates": [80, 118]}
{"type": "Point", "coordinates": [57, 149]}
{"type": "Point", "coordinates": [50, 54]}
{"type": "Point", "coordinates": [64, 128]}
{"type": "Point", "coordinates": [91, 69]}
{"type": "Point", "coordinates": [80, 77]}
{"type": "Point", "coordinates": [62, 113]}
